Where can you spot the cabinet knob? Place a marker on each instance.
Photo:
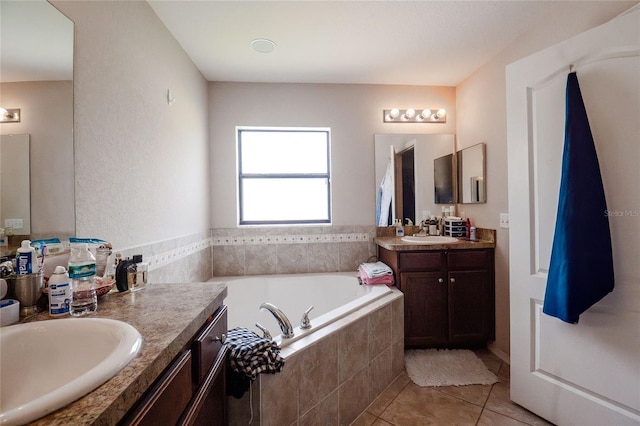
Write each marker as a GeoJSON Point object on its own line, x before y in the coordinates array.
{"type": "Point", "coordinates": [440, 280]}
{"type": "Point", "coordinates": [220, 339]}
{"type": "Point", "coordinates": [453, 280]}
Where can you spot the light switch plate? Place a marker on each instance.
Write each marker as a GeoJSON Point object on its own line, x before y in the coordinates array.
{"type": "Point", "coordinates": [13, 223]}
{"type": "Point", "coordinates": [504, 220]}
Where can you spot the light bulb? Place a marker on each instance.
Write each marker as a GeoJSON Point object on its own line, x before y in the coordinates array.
{"type": "Point", "coordinates": [441, 113]}
{"type": "Point", "coordinates": [425, 114]}
{"type": "Point", "coordinates": [394, 113]}
{"type": "Point", "coordinates": [410, 113]}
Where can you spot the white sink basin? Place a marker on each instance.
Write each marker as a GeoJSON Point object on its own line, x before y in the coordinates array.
{"type": "Point", "coordinates": [429, 239]}
{"type": "Point", "coordinates": [46, 365]}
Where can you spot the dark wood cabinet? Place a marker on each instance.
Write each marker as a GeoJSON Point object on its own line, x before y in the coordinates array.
{"type": "Point", "coordinates": [449, 296]}
{"type": "Point", "coordinates": [191, 391]}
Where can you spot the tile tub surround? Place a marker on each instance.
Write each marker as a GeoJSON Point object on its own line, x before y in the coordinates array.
{"type": "Point", "coordinates": [331, 376]}
{"type": "Point", "coordinates": [167, 316]}
{"type": "Point", "coordinates": [291, 250]}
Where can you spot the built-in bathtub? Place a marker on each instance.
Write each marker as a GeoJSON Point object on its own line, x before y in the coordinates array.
{"type": "Point", "coordinates": [332, 295]}
{"type": "Point", "coordinates": [334, 370]}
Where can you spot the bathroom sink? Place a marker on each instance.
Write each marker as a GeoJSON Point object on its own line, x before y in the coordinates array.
{"type": "Point", "coordinates": [428, 239]}
{"type": "Point", "coordinates": [46, 365]}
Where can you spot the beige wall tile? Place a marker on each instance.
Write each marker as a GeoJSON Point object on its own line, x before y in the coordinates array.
{"type": "Point", "coordinates": [292, 258]}
{"type": "Point", "coordinates": [353, 349]}
{"type": "Point", "coordinates": [318, 372]}
{"type": "Point", "coordinates": [354, 397]}
{"type": "Point", "coordinates": [380, 374]}
{"type": "Point", "coordinates": [326, 413]}
{"type": "Point", "coordinates": [379, 331]}
{"type": "Point", "coordinates": [324, 257]}
{"type": "Point", "coordinates": [279, 395]}
{"type": "Point", "coordinates": [228, 261]}
{"type": "Point", "coordinates": [260, 259]}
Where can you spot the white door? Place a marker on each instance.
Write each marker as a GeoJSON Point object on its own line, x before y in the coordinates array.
{"type": "Point", "coordinates": [585, 373]}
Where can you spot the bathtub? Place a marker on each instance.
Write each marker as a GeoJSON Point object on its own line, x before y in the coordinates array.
{"type": "Point", "coordinates": [352, 352]}
{"type": "Point", "coordinates": [332, 295]}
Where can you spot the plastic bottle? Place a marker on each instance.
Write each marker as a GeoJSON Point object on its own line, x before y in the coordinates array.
{"type": "Point", "coordinates": [432, 226]}
{"type": "Point", "coordinates": [399, 228]}
{"type": "Point", "coordinates": [59, 292]}
{"type": "Point", "coordinates": [82, 271]}
{"type": "Point", "coordinates": [473, 233]}
{"type": "Point", "coordinates": [4, 239]}
{"type": "Point", "coordinates": [26, 258]}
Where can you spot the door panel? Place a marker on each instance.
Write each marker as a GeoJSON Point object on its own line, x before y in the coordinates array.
{"type": "Point", "coordinates": [585, 373]}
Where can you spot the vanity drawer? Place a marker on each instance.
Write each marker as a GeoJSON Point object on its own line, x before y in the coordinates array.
{"type": "Point", "coordinates": [208, 343]}
{"type": "Point", "coordinates": [468, 259]}
{"type": "Point", "coordinates": [420, 261]}
{"type": "Point", "coordinates": [168, 398]}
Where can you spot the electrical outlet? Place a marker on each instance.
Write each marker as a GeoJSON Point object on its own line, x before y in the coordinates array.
{"type": "Point", "coordinates": [504, 220]}
{"type": "Point", "coordinates": [14, 223]}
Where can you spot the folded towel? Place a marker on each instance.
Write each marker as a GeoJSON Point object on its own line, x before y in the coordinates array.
{"type": "Point", "coordinates": [377, 269]}
{"type": "Point", "coordinates": [386, 280]}
{"type": "Point", "coordinates": [251, 354]}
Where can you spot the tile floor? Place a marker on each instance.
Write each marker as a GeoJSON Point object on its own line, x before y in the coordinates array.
{"type": "Point", "coordinates": [404, 403]}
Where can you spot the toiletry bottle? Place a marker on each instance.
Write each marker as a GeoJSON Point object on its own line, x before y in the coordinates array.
{"type": "Point", "coordinates": [399, 228]}
{"type": "Point", "coordinates": [468, 228]}
{"type": "Point", "coordinates": [26, 258]}
{"type": "Point", "coordinates": [82, 271]}
{"type": "Point", "coordinates": [473, 233]}
{"type": "Point", "coordinates": [59, 292]}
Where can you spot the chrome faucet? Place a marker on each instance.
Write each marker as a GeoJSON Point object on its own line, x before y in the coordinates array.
{"type": "Point", "coordinates": [283, 321]}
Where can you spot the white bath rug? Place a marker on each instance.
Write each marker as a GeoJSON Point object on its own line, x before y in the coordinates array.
{"type": "Point", "coordinates": [443, 367]}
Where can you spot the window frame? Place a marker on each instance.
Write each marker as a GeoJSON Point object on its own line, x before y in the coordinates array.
{"type": "Point", "coordinates": [243, 176]}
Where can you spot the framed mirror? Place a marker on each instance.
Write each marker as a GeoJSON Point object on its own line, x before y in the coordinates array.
{"type": "Point", "coordinates": [405, 175]}
{"type": "Point", "coordinates": [36, 76]}
{"type": "Point", "coordinates": [471, 174]}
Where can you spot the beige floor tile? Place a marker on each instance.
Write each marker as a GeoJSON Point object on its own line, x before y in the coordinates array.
{"type": "Point", "coordinates": [489, 418]}
{"type": "Point", "coordinates": [475, 394]}
{"type": "Point", "coordinates": [365, 419]}
{"type": "Point", "coordinates": [380, 422]}
{"type": "Point", "coordinates": [426, 406]}
{"type": "Point", "coordinates": [499, 402]}
{"type": "Point", "coordinates": [381, 402]}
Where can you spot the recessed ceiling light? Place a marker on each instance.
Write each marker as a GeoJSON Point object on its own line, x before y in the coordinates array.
{"type": "Point", "coordinates": [263, 45]}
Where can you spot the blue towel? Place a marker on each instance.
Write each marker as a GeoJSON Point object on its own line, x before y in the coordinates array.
{"type": "Point", "coordinates": [581, 267]}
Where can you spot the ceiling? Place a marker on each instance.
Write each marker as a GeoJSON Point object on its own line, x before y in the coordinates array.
{"type": "Point", "coordinates": [375, 42]}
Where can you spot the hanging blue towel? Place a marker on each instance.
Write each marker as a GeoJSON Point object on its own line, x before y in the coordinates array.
{"type": "Point", "coordinates": [581, 267]}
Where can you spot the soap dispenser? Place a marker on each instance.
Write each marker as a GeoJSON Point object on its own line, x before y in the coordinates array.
{"type": "Point", "coordinates": [399, 228]}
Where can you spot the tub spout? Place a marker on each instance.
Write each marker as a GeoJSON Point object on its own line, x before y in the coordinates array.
{"type": "Point", "coordinates": [283, 321]}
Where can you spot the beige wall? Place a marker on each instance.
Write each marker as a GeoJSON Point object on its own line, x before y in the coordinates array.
{"type": "Point", "coordinates": [46, 109]}
{"type": "Point", "coordinates": [482, 117]}
{"type": "Point", "coordinates": [352, 111]}
{"type": "Point", "coordinates": [141, 165]}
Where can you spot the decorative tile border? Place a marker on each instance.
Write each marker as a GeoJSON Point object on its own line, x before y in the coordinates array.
{"type": "Point", "coordinates": [241, 240]}
{"type": "Point", "coordinates": [167, 257]}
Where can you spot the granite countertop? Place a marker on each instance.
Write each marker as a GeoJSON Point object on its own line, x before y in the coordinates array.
{"type": "Point", "coordinates": [486, 239]}
{"type": "Point", "coordinates": [167, 316]}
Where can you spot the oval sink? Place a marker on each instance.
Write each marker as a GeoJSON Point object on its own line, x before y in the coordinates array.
{"type": "Point", "coordinates": [46, 365]}
{"type": "Point", "coordinates": [429, 239]}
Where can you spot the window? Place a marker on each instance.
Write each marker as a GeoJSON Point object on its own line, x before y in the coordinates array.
{"type": "Point", "coordinates": [283, 176]}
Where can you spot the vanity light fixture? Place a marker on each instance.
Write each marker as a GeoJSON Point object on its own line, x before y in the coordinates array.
{"type": "Point", "coordinates": [411, 115]}
{"type": "Point", "coordinates": [9, 115]}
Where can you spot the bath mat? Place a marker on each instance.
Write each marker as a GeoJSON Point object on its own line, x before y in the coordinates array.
{"type": "Point", "coordinates": [443, 367]}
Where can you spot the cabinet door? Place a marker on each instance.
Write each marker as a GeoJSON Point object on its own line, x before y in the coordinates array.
{"type": "Point", "coordinates": [469, 307]}
{"type": "Point", "coordinates": [425, 308]}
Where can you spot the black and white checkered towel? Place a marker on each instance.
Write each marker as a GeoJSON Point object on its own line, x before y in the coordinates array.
{"type": "Point", "coordinates": [251, 354]}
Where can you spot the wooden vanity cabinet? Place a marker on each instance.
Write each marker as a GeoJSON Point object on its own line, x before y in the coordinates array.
{"type": "Point", "coordinates": [191, 390]}
{"type": "Point", "coordinates": [449, 296]}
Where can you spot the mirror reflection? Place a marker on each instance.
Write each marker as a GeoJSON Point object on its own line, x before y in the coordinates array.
{"type": "Point", "coordinates": [404, 174]}
{"type": "Point", "coordinates": [36, 73]}
{"type": "Point", "coordinates": [471, 174]}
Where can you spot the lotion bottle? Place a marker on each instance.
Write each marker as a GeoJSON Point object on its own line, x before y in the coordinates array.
{"type": "Point", "coordinates": [59, 292]}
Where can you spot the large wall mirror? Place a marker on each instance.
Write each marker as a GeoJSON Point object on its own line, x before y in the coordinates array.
{"type": "Point", "coordinates": [36, 76]}
{"type": "Point", "coordinates": [472, 186]}
{"type": "Point", "coordinates": [406, 175]}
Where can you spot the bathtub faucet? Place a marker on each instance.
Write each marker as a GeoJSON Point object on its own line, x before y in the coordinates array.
{"type": "Point", "coordinates": [283, 321]}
